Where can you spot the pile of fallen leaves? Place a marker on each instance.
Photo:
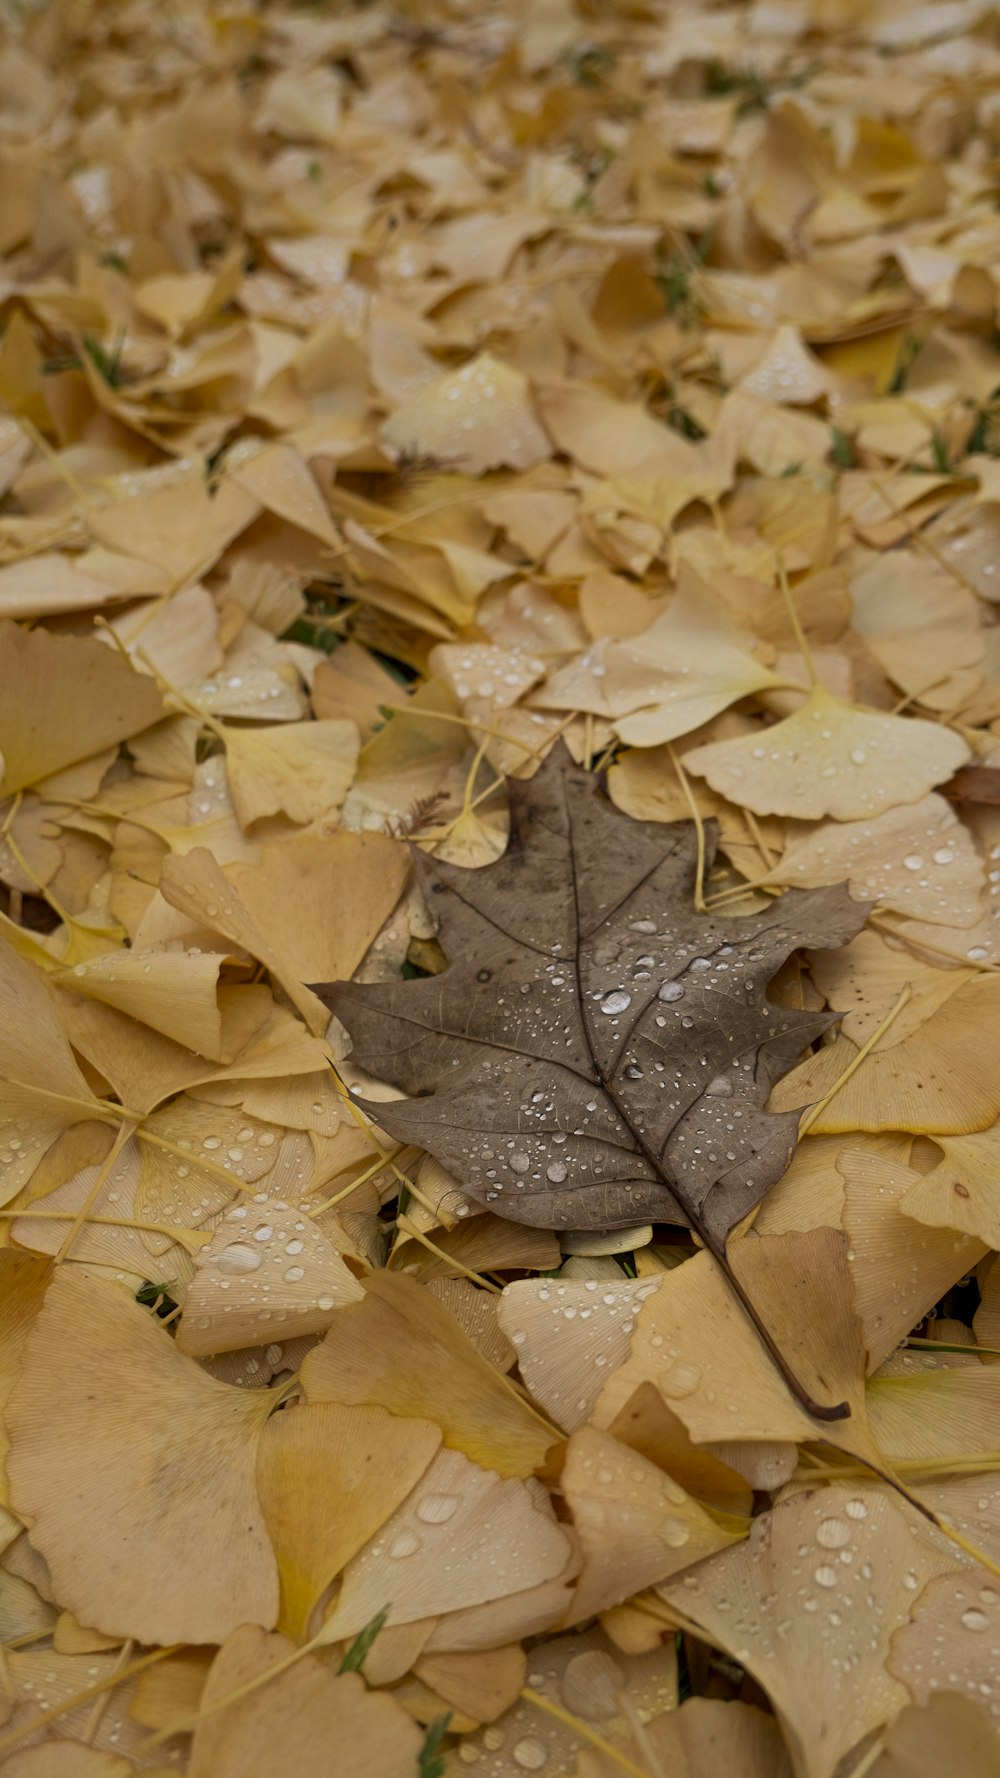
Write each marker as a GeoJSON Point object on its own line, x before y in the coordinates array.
{"type": "Point", "coordinates": [499, 544]}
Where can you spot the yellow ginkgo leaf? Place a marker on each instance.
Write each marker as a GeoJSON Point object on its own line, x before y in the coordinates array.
{"type": "Point", "coordinates": [592, 1685]}
{"type": "Point", "coordinates": [648, 1426]}
{"type": "Point", "coordinates": [692, 662]}
{"type": "Point", "coordinates": [570, 1335]}
{"type": "Point", "coordinates": [401, 1349]}
{"type": "Point", "coordinates": [464, 1536]}
{"type": "Point", "coordinates": [269, 1270]}
{"type": "Point", "coordinates": [948, 1729]}
{"type": "Point", "coordinates": [635, 1525]}
{"type": "Point", "coordinates": [940, 1079]}
{"type": "Point", "coordinates": [295, 1721]}
{"type": "Point", "coordinates": [279, 477]}
{"type": "Point", "coordinates": [173, 991]}
{"type": "Point", "coordinates": [921, 627]}
{"type": "Point", "coordinates": [948, 1412]}
{"type": "Point", "coordinates": [302, 769]}
{"type": "Point", "coordinates": [329, 1477]}
{"type": "Point", "coordinates": [473, 419]}
{"type": "Point", "coordinates": [900, 1268]}
{"type": "Point", "coordinates": [865, 980]}
{"type": "Point", "coordinates": [691, 1336]}
{"type": "Point", "coordinates": [196, 886]}
{"type": "Point", "coordinates": [841, 1567]}
{"type": "Point", "coordinates": [64, 698]}
{"type": "Point", "coordinates": [23, 1282]}
{"type": "Point", "coordinates": [42, 1090]}
{"type": "Point", "coordinates": [949, 1646]}
{"type": "Point", "coordinates": [163, 1463]}
{"type": "Point", "coordinates": [919, 860]}
{"type": "Point", "coordinates": [322, 902]}
{"type": "Point", "coordinates": [830, 759]}
{"type": "Point", "coordinates": [66, 1759]}
{"type": "Point", "coordinates": [961, 1191]}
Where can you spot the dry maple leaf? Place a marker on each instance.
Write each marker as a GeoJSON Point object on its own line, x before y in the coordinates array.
{"type": "Point", "coordinates": [597, 1053]}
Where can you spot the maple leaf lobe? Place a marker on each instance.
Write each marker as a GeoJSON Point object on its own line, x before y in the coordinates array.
{"type": "Point", "coordinates": [597, 1052]}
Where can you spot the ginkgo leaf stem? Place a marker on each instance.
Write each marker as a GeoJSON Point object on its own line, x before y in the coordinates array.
{"type": "Point", "coordinates": [699, 825]}
{"type": "Point", "coordinates": [108, 1684]}
{"type": "Point", "coordinates": [796, 623]}
{"type": "Point", "coordinates": [79, 1217]}
{"type": "Point", "coordinates": [410, 1228]}
{"type": "Point", "coordinates": [584, 1731]}
{"type": "Point", "coordinates": [817, 1110]}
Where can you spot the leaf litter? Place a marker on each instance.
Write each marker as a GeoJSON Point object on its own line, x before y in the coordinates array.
{"type": "Point", "coordinates": [498, 539]}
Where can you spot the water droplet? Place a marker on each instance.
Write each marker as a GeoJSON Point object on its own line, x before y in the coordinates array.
{"type": "Point", "coordinates": [238, 1258]}
{"type": "Point", "coordinates": [675, 1533]}
{"type": "Point", "coordinates": [294, 1275]}
{"type": "Point", "coordinates": [435, 1509]}
{"type": "Point", "coordinates": [825, 1577]}
{"type": "Point", "coordinates": [616, 1001]}
{"type": "Point", "coordinates": [856, 1509]}
{"type": "Point", "coordinates": [556, 1171]}
{"type": "Point", "coordinates": [530, 1753]}
{"type": "Point", "coordinates": [404, 1544]}
{"type": "Point", "coordinates": [518, 1163]}
{"type": "Point", "coordinates": [913, 861]}
{"type": "Point", "coordinates": [679, 1380]}
{"type": "Point", "coordinates": [973, 1619]}
{"type": "Point", "coordinates": [720, 1088]}
{"type": "Point", "coordinates": [833, 1534]}
{"type": "Point", "coordinates": [671, 991]}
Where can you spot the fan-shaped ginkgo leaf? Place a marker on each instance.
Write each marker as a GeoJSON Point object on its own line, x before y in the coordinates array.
{"type": "Point", "coordinates": [464, 1536]}
{"type": "Point", "coordinates": [296, 1721]}
{"type": "Point", "coordinates": [692, 662]}
{"type": "Point", "coordinates": [942, 1079]}
{"type": "Point", "coordinates": [42, 1091]}
{"type": "Point", "coordinates": [301, 769]}
{"type": "Point", "coordinates": [401, 1349]}
{"type": "Point", "coordinates": [809, 1606]}
{"type": "Point", "coordinates": [635, 1525]}
{"type": "Point", "coordinates": [162, 1463]}
{"type": "Point", "coordinates": [473, 419]}
{"type": "Point", "coordinates": [268, 1271]}
{"type": "Point", "coordinates": [329, 1477]}
{"type": "Point", "coordinates": [950, 1645]}
{"type": "Point", "coordinates": [830, 759]}
{"type": "Point", "coordinates": [918, 859]}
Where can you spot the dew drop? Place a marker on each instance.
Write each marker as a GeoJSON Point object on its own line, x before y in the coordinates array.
{"type": "Point", "coordinates": [238, 1259]}
{"type": "Point", "coordinates": [973, 1619]}
{"type": "Point", "coordinates": [833, 1534]}
{"type": "Point", "coordinates": [404, 1544]}
{"type": "Point", "coordinates": [671, 991]}
{"type": "Point", "coordinates": [435, 1509]}
{"type": "Point", "coordinates": [616, 1001]}
{"type": "Point", "coordinates": [531, 1754]}
{"type": "Point", "coordinates": [720, 1088]}
{"type": "Point", "coordinates": [825, 1577]}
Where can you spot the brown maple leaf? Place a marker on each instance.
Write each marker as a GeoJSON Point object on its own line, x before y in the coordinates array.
{"type": "Point", "coordinates": [597, 1053]}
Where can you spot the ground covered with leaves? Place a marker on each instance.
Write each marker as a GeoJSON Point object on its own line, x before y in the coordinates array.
{"type": "Point", "coordinates": [499, 542]}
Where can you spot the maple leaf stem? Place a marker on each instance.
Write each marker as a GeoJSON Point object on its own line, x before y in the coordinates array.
{"type": "Point", "coordinates": [840, 1410]}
